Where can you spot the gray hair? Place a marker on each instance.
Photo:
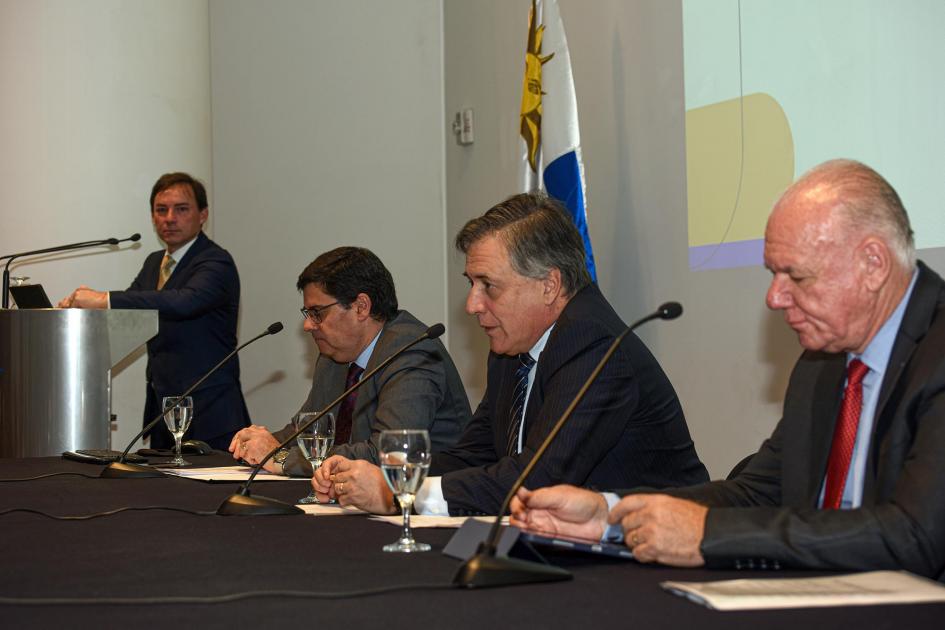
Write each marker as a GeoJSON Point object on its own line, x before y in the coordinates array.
{"type": "Point", "coordinates": [539, 236]}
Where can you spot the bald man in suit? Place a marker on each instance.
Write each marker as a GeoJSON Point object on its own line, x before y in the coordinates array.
{"type": "Point", "coordinates": [853, 476]}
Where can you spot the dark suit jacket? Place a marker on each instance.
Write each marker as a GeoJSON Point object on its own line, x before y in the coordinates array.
{"type": "Point", "coordinates": [197, 312]}
{"type": "Point", "coordinates": [768, 512]}
{"type": "Point", "coordinates": [629, 429]}
{"type": "Point", "coordinates": [421, 389]}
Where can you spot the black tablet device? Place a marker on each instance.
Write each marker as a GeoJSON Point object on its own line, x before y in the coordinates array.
{"type": "Point", "coordinates": [574, 544]}
{"type": "Point", "coordinates": [30, 296]}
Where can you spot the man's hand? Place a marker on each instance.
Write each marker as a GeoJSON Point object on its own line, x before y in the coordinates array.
{"type": "Point", "coordinates": [564, 510]}
{"type": "Point", "coordinates": [252, 444]}
{"type": "Point", "coordinates": [84, 297]}
{"type": "Point", "coordinates": [660, 528]}
{"type": "Point", "coordinates": [353, 482]}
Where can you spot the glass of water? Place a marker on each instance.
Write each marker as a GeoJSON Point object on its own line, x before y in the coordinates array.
{"type": "Point", "coordinates": [405, 460]}
{"type": "Point", "coordinates": [315, 441]}
{"type": "Point", "coordinates": [178, 420]}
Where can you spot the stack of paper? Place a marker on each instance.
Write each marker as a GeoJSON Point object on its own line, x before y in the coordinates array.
{"type": "Point", "coordinates": [858, 589]}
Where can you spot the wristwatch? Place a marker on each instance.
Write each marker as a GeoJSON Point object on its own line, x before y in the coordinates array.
{"type": "Point", "coordinates": [281, 455]}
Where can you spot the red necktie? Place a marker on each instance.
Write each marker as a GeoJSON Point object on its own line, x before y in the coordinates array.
{"type": "Point", "coordinates": [346, 408]}
{"type": "Point", "coordinates": [844, 435]}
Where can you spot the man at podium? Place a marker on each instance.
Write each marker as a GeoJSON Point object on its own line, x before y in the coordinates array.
{"type": "Point", "coordinates": [195, 287]}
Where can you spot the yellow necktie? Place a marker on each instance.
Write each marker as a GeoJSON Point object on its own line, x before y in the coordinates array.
{"type": "Point", "coordinates": [167, 266]}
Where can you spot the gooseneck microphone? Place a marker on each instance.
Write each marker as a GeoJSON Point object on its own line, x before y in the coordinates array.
{"type": "Point", "coordinates": [49, 250]}
{"type": "Point", "coordinates": [122, 470]}
{"type": "Point", "coordinates": [242, 503]}
{"type": "Point", "coordinates": [485, 568]}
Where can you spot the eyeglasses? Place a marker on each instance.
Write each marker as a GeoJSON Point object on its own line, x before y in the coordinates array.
{"type": "Point", "coordinates": [316, 312]}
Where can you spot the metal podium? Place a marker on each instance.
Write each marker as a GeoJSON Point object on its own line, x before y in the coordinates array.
{"type": "Point", "coordinates": [55, 375]}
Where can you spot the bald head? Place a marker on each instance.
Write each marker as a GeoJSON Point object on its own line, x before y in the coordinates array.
{"type": "Point", "coordinates": [863, 203]}
{"type": "Point", "coordinates": [840, 247]}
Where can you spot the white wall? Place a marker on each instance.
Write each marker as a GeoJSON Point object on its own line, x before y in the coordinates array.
{"type": "Point", "coordinates": [327, 131]}
{"type": "Point", "coordinates": [100, 97]}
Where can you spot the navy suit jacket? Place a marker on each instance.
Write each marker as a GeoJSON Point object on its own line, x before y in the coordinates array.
{"type": "Point", "coordinates": [197, 313]}
{"type": "Point", "coordinates": [767, 514]}
{"type": "Point", "coordinates": [629, 429]}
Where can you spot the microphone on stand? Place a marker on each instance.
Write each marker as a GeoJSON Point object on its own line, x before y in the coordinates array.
{"type": "Point", "coordinates": [133, 238]}
{"type": "Point", "coordinates": [486, 568]}
{"type": "Point", "coordinates": [242, 503]}
{"type": "Point", "coordinates": [49, 250]}
{"type": "Point", "coordinates": [122, 470]}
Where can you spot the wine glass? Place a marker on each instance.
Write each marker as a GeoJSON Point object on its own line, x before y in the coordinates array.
{"type": "Point", "coordinates": [178, 420]}
{"type": "Point", "coordinates": [405, 460]}
{"type": "Point", "coordinates": [315, 441]}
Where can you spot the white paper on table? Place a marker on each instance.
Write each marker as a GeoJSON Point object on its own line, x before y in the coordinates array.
{"type": "Point", "coordinates": [330, 509]}
{"type": "Point", "coordinates": [227, 473]}
{"type": "Point", "coordinates": [423, 520]}
{"type": "Point", "coordinates": [855, 589]}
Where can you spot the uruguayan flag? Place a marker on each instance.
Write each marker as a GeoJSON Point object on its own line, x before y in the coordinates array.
{"type": "Point", "coordinates": [551, 140]}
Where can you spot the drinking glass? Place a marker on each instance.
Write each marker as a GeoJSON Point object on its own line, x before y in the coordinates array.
{"type": "Point", "coordinates": [315, 442]}
{"type": "Point", "coordinates": [178, 421]}
{"type": "Point", "coordinates": [405, 460]}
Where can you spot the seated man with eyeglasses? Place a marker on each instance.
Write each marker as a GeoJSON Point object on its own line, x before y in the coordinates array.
{"type": "Point", "coordinates": [350, 310]}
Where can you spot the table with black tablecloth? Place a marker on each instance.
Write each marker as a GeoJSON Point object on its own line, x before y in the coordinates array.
{"type": "Point", "coordinates": [159, 553]}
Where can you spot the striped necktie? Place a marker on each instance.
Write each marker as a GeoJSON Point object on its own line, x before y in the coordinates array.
{"type": "Point", "coordinates": [167, 266]}
{"type": "Point", "coordinates": [517, 413]}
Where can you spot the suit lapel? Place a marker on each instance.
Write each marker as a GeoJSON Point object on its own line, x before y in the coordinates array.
{"type": "Point", "coordinates": [915, 323]}
{"type": "Point", "coordinates": [503, 398]}
{"type": "Point", "coordinates": [153, 269]}
{"type": "Point", "coordinates": [825, 406]}
{"type": "Point", "coordinates": [178, 275]}
{"type": "Point", "coordinates": [329, 383]}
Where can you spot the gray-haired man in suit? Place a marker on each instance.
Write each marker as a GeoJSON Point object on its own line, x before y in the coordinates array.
{"type": "Point", "coordinates": [548, 325]}
{"type": "Point", "coordinates": [350, 310]}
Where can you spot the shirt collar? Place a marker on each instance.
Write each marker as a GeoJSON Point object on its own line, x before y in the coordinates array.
{"type": "Point", "coordinates": [365, 355]}
{"type": "Point", "coordinates": [535, 352]}
{"type": "Point", "coordinates": [178, 255]}
{"type": "Point", "coordinates": [876, 354]}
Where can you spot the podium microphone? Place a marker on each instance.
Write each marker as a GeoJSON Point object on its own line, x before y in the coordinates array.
{"type": "Point", "coordinates": [485, 568]}
{"type": "Point", "coordinates": [49, 250]}
{"type": "Point", "coordinates": [120, 469]}
{"type": "Point", "coordinates": [242, 503]}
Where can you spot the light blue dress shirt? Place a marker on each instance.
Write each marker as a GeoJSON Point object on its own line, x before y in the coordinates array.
{"type": "Point", "coordinates": [365, 355]}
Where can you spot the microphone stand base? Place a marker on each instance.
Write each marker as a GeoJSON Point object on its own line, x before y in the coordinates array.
{"type": "Point", "coordinates": [124, 470]}
{"type": "Point", "coordinates": [485, 570]}
{"type": "Point", "coordinates": [246, 505]}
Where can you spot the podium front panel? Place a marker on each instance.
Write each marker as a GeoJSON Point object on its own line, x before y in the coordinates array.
{"type": "Point", "coordinates": [55, 380]}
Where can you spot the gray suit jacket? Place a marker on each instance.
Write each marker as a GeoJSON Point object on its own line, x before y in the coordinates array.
{"type": "Point", "coordinates": [767, 514]}
{"type": "Point", "coordinates": [420, 390]}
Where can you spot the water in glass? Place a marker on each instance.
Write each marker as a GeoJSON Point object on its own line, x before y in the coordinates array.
{"type": "Point", "coordinates": [405, 459]}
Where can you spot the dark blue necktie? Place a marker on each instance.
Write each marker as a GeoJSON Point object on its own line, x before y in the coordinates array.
{"type": "Point", "coordinates": [525, 363]}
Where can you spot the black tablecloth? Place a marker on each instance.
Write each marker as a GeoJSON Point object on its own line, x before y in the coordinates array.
{"type": "Point", "coordinates": [165, 553]}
